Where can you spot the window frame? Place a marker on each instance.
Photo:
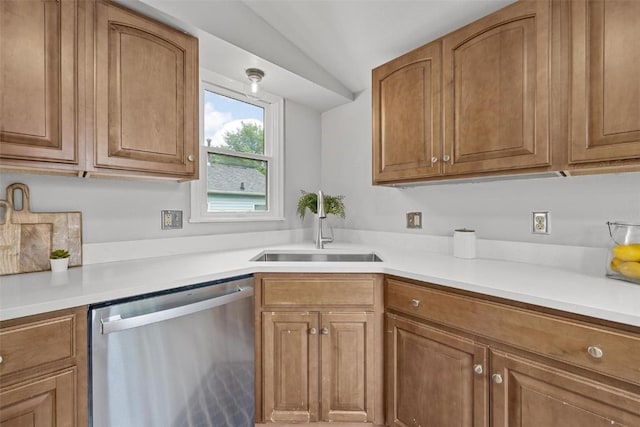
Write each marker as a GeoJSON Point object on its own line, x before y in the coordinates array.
{"type": "Point", "coordinates": [273, 126]}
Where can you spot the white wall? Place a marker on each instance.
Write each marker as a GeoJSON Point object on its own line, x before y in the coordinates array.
{"type": "Point", "coordinates": [579, 206]}
{"type": "Point", "coordinates": [118, 210]}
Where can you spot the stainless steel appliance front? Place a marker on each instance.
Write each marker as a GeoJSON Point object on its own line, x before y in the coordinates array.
{"type": "Point", "coordinates": [177, 359]}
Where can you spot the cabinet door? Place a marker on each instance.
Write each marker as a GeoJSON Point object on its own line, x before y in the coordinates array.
{"type": "Point", "coordinates": [347, 367]}
{"type": "Point", "coordinates": [431, 380]}
{"type": "Point", "coordinates": [38, 80]}
{"type": "Point", "coordinates": [530, 394]}
{"type": "Point", "coordinates": [45, 402]}
{"type": "Point", "coordinates": [290, 376]}
{"type": "Point", "coordinates": [605, 106]}
{"type": "Point", "coordinates": [496, 103]}
{"type": "Point", "coordinates": [406, 116]}
{"type": "Point", "coordinates": [146, 95]}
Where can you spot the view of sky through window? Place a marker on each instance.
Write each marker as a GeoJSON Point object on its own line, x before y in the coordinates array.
{"type": "Point", "coordinates": [224, 116]}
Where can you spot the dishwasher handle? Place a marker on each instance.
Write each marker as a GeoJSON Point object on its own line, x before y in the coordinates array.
{"type": "Point", "coordinates": [118, 324]}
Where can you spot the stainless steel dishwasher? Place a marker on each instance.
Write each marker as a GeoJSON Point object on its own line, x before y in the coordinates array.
{"type": "Point", "coordinates": [176, 359]}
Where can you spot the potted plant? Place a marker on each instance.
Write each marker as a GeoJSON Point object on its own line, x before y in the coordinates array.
{"type": "Point", "coordinates": [59, 260]}
{"type": "Point", "coordinates": [333, 205]}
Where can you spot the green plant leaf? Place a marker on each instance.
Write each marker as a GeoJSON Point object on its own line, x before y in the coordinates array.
{"type": "Point", "coordinates": [333, 205]}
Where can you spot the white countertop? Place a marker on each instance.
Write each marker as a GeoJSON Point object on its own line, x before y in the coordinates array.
{"type": "Point", "coordinates": [553, 287]}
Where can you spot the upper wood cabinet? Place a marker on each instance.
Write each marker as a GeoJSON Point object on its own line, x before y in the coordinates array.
{"type": "Point", "coordinates": [605, 89]}
{"type": "Point", "coordinates": [39, 82]}
{"type": "Point", "coordinates": [146, 99]}
{"type": "Point", "coordinates": [88, 87]}
{"type": "Point", "coordinates": [472, 103]}
{"type": "Point", "coordinates": [406, 115]}
{"type": "Point", "coordinates": [496, 98]}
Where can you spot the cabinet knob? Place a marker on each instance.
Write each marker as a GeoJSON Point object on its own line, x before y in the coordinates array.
{"type": "Point", "coordinates": [324, 331]}
{"type": "Point", "coordinates": [313, 331]}
{"type": "Point", "coordinates": [415, 302]}
{"type": "Point", "coordinates": [496, 378]}
{"type": "Point", "coordinates": [1, 359]}
{"type": "Point", "coordinates": [595, 352]}
{"type": "Point", "coordinates": [446, 158]}
{"type": "Point", "coordinates": [478, 369]}
{"type": "Point", "coordinates": [190, 157]}
{"type": "Point", "coordinates": [434, 160]}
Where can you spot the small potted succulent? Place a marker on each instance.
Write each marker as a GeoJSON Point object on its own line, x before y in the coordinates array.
{"type": "Point", "coordinates": [333, 205]}
{"type": "Point", "coordinates": [59, 260]}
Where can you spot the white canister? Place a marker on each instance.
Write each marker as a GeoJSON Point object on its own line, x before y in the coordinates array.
{"type": "Point", "coordinates": [464, 243]}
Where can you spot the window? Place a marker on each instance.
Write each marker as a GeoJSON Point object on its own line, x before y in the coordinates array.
{"type": "Point", "coordinates": [241, 160]}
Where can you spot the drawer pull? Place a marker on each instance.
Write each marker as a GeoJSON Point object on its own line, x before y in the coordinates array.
{"type": "Point", "coordinates": [415, 302]}
{"type": "Point", "coordinates": [595, 352]}
{"type": "Point", "coordinates": [497, 378]}
{"type": "Point", "coordinates": [313, 331]}
{"type": "Point", "coordinates": [478, 369]}
{"type": "Point", "coordinates": [324, 331]}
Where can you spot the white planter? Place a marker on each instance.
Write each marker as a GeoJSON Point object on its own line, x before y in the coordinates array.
{"type": "Point", "coordinates": [60, 264]}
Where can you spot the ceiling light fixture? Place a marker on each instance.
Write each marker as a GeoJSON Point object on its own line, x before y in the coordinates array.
{"type": "Point", "coordinates": [254, 75]}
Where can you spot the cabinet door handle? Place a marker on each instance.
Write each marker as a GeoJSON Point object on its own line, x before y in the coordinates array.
{"type": "Point", "coordinates": [595, 352]}
{"type": "Point", "coordinates": [478, 369]}
{"type": "Point", "coordinates": [1, 359]}
{"type": "Point", "coordinates": [191, 158]}
{"type": "Point", "coordinates": [446, 158]}
{"type": "Point", "coordinates": [434, 159]}
{"type": "Point", "coordinates": [496, 378]}
{"type": "Point", "coordinates": [313, 331]}
{"type": "Point", "coordinates": [324, 331]}
{"type": "Point", "coordinates": [415, 302]}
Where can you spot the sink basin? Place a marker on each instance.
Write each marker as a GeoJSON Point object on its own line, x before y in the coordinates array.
{"type": "Point", "coordinates": [317, 257]}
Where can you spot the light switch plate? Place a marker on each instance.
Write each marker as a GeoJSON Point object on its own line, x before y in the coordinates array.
{"type": "Point", "coordinates": [414, 219]}
{"type": "Point", "coordinates": [171, 220]}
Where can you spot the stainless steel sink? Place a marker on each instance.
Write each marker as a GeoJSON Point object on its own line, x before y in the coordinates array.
{"type": "Point", "coordinates": [317, 257]}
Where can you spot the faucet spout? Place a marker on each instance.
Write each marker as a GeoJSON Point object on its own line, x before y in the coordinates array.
{"type": "Point", "coordinates": [320, 205]}
{"type": "Point", "coordinates": [320, 239]}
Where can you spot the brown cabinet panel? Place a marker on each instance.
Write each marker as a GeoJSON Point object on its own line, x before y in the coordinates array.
{"type": "Point", "coordinates": [290, 379]}
{"type": "Point", "coordinates": [605, 102]}
{"type": "Point", "coordinates": [496, 103]}
{"type": "Point", "coordinates": [347, 367]}
{"type": "Point", "coordinates": [146, 95]}
{"type": "Point", "coordinates": [532, 394]}
{"type": "Point", "coordinates": [22, 346]}
{"type": "Point", "coordinates": [318, 291]}
{"type": "Point", "coordinates": [557, 338]}
{"type": "Point", "coordinates": [430, 377]}
{"type": "Point", "coordinates": [406, 115]}
{"type": "Point", "coordinates": [45, 402]}
{"type": "Point", "coordinates": [38, 80]}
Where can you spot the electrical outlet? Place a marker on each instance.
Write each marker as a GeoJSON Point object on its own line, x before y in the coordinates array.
{"type": "Point", "coordinates": [414, 219]}
{"type": "Point", "coordinates": [540, 222]}
{"type": "Point", "coordinates": [171, 220]}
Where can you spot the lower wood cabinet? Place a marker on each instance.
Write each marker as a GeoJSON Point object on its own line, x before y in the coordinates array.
{"type": "Point", "coordinates": [434, 378]}
{"type": "Point", "coordinates": [527, 393]}
{"type": "Point", "coordinates": [454, 359]}
{"type": "Point", "coordinates": [319, 361]}
{"type": "Point", "coordinates": [43, 379]}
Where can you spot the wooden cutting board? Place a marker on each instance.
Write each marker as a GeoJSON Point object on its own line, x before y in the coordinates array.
{"type": "Point", "coordinates": [29, 237]}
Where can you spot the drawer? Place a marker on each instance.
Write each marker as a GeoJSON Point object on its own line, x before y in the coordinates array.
{"type": "Point", "coordinates": [29, 345]}
{"type": "Point", "coordinates": [318, 291]}
{"type": "Point", "coordinates": [562, 339]}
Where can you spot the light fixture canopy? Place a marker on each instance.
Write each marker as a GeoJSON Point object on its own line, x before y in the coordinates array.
{"type": "Point", "coordinates": [254, 75]}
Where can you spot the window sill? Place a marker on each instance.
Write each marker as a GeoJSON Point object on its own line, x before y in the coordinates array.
{"type": "Point", "coordinates": [203, 219]}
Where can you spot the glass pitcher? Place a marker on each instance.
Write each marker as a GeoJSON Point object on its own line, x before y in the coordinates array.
{"type": "Point", "coordinates": [624, 251]}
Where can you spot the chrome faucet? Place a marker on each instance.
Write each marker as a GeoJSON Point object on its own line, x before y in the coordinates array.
{"type": "Point", "coordinates": [320, 239]}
